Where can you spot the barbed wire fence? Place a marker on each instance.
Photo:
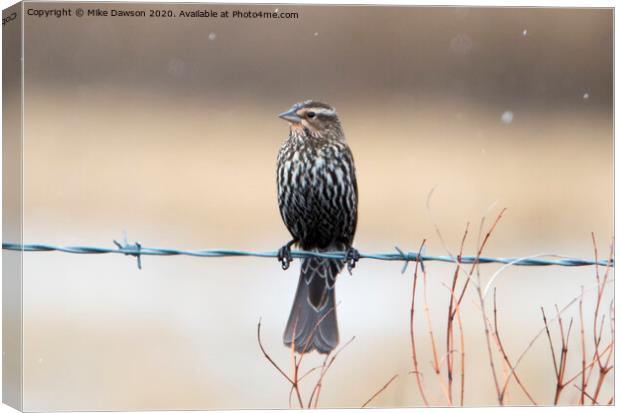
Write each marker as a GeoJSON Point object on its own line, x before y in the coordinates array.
{"type": "Point", "coordinates": [137, 250]}
{"type": "Point", "coordinates": [600, 351]}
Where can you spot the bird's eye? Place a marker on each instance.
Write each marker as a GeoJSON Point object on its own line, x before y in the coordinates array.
{"type": "Point", "coordinates": [311, 114]}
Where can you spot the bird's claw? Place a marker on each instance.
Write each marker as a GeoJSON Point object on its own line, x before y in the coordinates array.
{"type": "Point", "coordinates": [351, 258]}
{"type": "Point", "coordinates": [284, 256]}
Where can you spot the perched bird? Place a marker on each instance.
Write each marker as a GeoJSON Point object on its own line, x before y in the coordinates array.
{"type": "Point", "coordinates": [317, 196]}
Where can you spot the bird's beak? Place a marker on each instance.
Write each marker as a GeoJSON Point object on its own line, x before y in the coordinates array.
{"type": "Point", "coordinates": [290, 116]}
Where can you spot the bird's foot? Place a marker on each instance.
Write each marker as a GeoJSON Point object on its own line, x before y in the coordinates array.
{"type": "Point", "coordinates": [351, 258]}
{"type": "Point", "coordinates": [284, 255]}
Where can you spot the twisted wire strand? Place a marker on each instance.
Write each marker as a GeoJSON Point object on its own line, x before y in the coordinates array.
{"type": "Point", "coordinates": [137, 250]}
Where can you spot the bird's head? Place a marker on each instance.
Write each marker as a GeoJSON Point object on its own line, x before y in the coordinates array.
{"type": "Point", "coordinates": [312, 119]}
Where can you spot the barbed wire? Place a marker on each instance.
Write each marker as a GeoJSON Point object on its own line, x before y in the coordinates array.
{"type": "Point", "coordinates": [137, 250]}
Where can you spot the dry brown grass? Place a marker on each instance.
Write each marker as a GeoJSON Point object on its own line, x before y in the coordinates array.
{"type": "Point", "coordinates": [592, 372]}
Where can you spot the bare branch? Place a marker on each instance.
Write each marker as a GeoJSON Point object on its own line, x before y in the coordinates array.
{"type": "Point", "coordinates": [385, 386]}
{"type": "Point", "coordinates": [450, 324]}
{"type": "Point", "coordinates": [555, 365]}
{"type": "Point", "coordinates": [504, 354]}
{"type": "Point", "coordinates": [324, 368]}
{"type": "Point", "coordinates": [268, 357]}
{"type": "Point", "coordinates": [583, 351]}
{"type": "Point", "coordinates": [414, 355]}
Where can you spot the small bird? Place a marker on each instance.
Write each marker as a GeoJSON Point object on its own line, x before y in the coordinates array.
{"type": "Point", "coordinates": [317, 196]}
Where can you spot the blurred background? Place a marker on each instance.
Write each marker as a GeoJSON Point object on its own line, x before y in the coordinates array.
{"type": "Point", "coordinates": [167, 129]}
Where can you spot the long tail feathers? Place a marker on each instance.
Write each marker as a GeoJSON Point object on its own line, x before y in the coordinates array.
{"type": "Point", "coordinates": [312, 323]}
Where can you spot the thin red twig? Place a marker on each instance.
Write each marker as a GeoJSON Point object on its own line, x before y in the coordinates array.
{"type": "Point", "coordinates": [462, 343]}
{"type": "Point", "coordinates": [480, 250]}
{"type": "Point", "coordinates": [450, 326]}
{"type": "Point", "coordinates": [385, 386]}
{"type": "Point", "coordinates": [329, 360]}
{"type": "Point", "coordinates": [560, 385]}
{"type": "Point", "coordinates": [435, 362]}
{"type": "Point", "coordinates": [583, 352]}
{"type": "Point", "coordinates": [268, 357]}
{"type": "Point", "coordinates": [414, 356]}
{"type": "Point", "coordinates": [504, 354]}
{"type": "Point", "coordinates": [500, 393]}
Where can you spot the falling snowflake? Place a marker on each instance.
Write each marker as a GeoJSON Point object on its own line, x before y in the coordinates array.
{"type": "Point", "coordinates": [212, 36]}
{"type": "Point", "coordinates": [586, 96]}
{"type": "Point", "coordinates": [316, 34]}
{"type": "Point", "coordinates": [524, 32]}
{"type": "Point", "coordinates": [507, 117]}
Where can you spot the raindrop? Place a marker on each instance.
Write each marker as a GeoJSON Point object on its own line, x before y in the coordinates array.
{"type": "Point", "coordinates": [212, 36]}
{"type": "Point", "coordinates": [507, 117]}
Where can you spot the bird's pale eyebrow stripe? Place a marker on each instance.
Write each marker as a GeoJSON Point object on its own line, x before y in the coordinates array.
{"type": "Point", "coordinates": [323, 111]}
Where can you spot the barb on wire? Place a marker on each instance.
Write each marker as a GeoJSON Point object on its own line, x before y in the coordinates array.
{"type": "Point", "coordinates": [137, 250]}
{"type": "Point", "coordinates": [125, 245]}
